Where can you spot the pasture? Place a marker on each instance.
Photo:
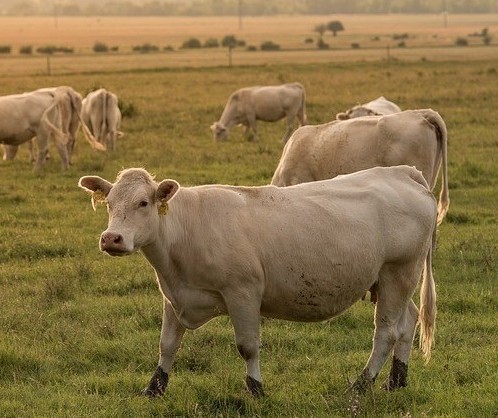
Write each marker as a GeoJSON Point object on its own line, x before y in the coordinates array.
{"type": "Point", "coordinates": [79, 331]}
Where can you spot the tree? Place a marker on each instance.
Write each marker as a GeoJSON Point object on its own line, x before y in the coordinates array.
{"type": "Point", "coordinates": [335, 26]}
{"type": "Point", "coordinates": [229, 41]}
{"type": "Point", "coordinates": [320, 29]}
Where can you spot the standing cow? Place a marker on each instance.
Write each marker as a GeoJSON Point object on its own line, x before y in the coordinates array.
{"type": "Point", "coordinates": [100, 111]}
{"type": "Point", "coordinates": [412, 137]}
{"type": "Point", "coordinates": [377, 107]}
{"type": "Point", "coordinates": [300, 253]}
{"type": "Point", "coordinates": [268, 103]}
{"type": "Point", "coordinates": [45, 113]}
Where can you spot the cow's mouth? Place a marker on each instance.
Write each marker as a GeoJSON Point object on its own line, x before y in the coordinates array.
{"type": "Point", "coordinates": [116, 252]}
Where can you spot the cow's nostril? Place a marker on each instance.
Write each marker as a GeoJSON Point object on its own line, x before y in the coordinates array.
{"type": "Point", "coordinates": [117, 239]}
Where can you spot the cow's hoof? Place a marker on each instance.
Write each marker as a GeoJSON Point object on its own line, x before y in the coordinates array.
{"type": "Point", "coordinates": [363, 383]}
{"type": "Point", "coordinates": [398, 376]}
{"type": "Point", "coordinates": [157, 384]}
{"type": "Point", "coordinates": [255, 387]}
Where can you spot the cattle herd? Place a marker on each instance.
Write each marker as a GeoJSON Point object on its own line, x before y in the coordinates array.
{"type": "Point", "coordinates": [349, 210]}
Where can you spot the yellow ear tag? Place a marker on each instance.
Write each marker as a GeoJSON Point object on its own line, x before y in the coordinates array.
{"type": "Point", "coordinates": [98, 198]}
{"type": "Point", "coordinates": [163, 208]}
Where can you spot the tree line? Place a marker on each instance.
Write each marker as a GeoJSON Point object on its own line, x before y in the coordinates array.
{"type": "Point", "coordinates": [235, 7]}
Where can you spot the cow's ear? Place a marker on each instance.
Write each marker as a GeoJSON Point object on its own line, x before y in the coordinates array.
{"type": "Point", "coordinates": [165, 192]}
{"type": "Point", "coordinates": [97, 186]}
{"type": "Point", "coordinates": [341, 116]}
{"type": "Point", "coordinates": [213, 127]}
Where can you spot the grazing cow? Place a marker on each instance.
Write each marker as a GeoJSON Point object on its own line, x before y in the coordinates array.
{"type": "Point", "coordinates": [268, 103]}
{"type": "Point", "coordinates": [377, 107]}
{"type": "Point", "coordinates": [412, 137]}
{"type": "Point", "coordinates": [300, 253]}
{"type": "Point", "coordinates": [100, 112]}
{"type": "Point", "coordinates": [45, 113]}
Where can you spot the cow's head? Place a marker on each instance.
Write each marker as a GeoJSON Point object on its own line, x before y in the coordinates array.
{"type": "Point", "coordinates": [220, 131]}
{"type": "Point", "coordinates": [135, 203]}
{"type": "Point", "coordinates": [355, 112]}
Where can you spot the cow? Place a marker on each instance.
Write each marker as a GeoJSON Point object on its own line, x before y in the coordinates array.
{"type": "Point", "coordinates": [412, 137]}
{"type": "Point", "coordinates": [301, 253]}
{"type": "Point", "coordinates": [100, 112]}
{"type": "Point", "coordinates": [266, 103]}
{"type": "Point", "coordinates": [379, 106]}
{"type": "Point", "coordinates": [52, 112]}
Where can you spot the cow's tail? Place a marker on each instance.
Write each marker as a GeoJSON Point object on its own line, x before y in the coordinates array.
{"type": "Point", "coordinates": [301, 114]}
{"type": "Point", "coordinates": [427, 314]}
{"type": "Point", "coordinates": [47, 123]}
{"type": "Point", "coordinates": [442, 136]}
{"type": "Point", "coordinates": [86, 132]}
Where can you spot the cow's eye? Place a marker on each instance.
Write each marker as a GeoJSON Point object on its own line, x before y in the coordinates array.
{"type": "Point", "coordinates": [143, 203]}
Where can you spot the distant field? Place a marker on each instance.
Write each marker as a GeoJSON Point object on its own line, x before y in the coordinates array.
{"type": "Point", "coordinates": [428, 39]}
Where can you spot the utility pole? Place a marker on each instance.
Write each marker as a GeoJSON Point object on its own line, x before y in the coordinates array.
{"type": "Point", "coordinates": [240, 14]}
{"type": "Point", "coordinates": [445, 14]}
{"type": "Point", "coordinates": [56, 20]}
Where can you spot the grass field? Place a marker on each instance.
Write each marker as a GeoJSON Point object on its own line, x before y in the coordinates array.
{"type": "Point", "coordinates": [79, 330]}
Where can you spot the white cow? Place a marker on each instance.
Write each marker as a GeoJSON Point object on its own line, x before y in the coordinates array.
{"type": "Point", "coordinates": [100, 112]}
{"type": "Point", "coordinates": [268, 103]}
{"type": "Point", "coordinates": [377, 107]}
{"type": "Point", "coordinates": [412, 137]}
{"type": "Point", "coordinates": [301, 253]}
{"type": "Point", "coordinates": [45, 113]}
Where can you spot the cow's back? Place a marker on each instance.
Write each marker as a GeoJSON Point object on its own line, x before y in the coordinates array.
{"type": "Point", "coordinates": [341, 147]}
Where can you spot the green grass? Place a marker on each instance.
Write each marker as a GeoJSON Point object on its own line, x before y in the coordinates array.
{"type": "Point", "coordinates": [79, 331]}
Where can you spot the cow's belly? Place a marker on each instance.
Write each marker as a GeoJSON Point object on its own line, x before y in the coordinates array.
{"type": "Point", "coordinates": [16, 138]}
{"type": "Point", "coordinates": [311, 297]}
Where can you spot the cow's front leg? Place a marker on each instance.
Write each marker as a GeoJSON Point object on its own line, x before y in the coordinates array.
{"type": "Point", "coordinates": [9, 152]}
{"type": "Point", "coordinates": [245, 317]}
{"type": "Point", "coordinates": [171, 336]}
{"type": "Point", "coordinates": [290, 128]}
{"type": "Point", "coordinates": [251, 133]}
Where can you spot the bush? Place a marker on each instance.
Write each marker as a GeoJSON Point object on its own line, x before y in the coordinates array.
{"type": "Point", "coordinates": [128, 110]}
{"type": "Point", "coordinates": [27, 50]}
{"type": "Point", "coordinates": [401, 44]}
{"type": "Point", "coordinates": [191, 43]}
{"type": "Point", "coordinates": [211, 43]}
{"type": "Point", "coordinates": [269, 46]}
{"type": "Point", "coordinates": [252, 48]}
{"type": "Point", "coordinates": [168, 48]}
{"type": "Point", "coordinates": [145, 48]}
{"type": "Point", "coordinates": [486, 39]}
{"type": "Point", "coordinates": [355, 45]}
{"type": "Point", "coordinates": [49, 49]}
{"type": "Point", "coordinates": [114, 48]}
{"type": "Point", "coordinates": [400, 36]}
{"type": "Point", "coordinates": [5, 49]}
{"type": "Point", "coordinates": [100, 47]}
{"type": "Point", "coordinates": [461, 41]}
{"type": "Point", "coordinates": [309, 41]}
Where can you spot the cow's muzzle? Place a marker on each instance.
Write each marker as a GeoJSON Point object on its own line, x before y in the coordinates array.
{"type": "Point", "coordinates": [113, 244]}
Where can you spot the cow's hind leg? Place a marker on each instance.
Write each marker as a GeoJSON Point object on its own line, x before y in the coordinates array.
{"type": "Point", "coordinates": [393, 312]}
{"type": "Point", "coordinates": [171, 336]}
{"type": "Point", "coordinates": [402, 348]}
